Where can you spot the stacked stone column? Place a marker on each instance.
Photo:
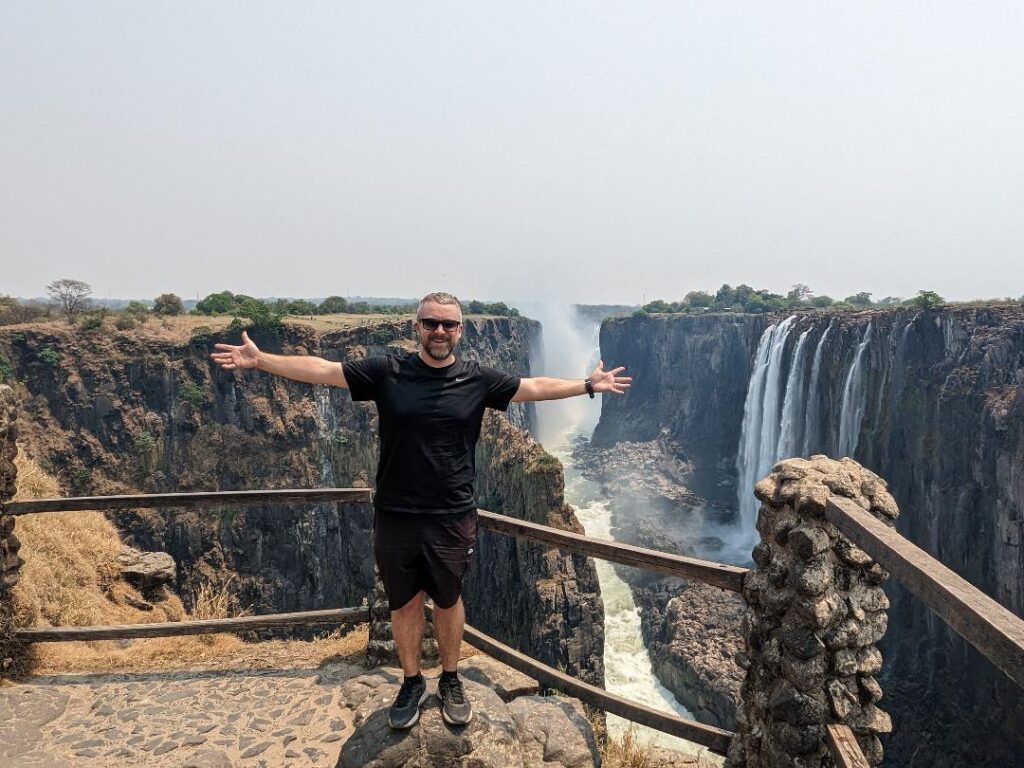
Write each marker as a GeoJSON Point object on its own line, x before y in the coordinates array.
{"type": "Point", "coordinates": [381, 649]}
{"type": "Point", "coordinates": [815, 610]}
{"type": "Point", "coordinates": [10, 562]}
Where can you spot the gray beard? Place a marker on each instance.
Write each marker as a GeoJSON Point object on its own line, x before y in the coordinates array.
{"type": "Point", "coordinates": [438, 354]}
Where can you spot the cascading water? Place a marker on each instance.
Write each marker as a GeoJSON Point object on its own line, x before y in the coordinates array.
{"type": "Point", "coordinates": [761, 421]}
{"type": "Point", "coordinates": [793, 406]}
{"type": "Point", "coordinates": [812, 422]}
{"type": "Point", "coordinates": [854, 401]}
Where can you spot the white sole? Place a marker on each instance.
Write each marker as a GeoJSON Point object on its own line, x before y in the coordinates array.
{"type": "Point", "coordinates": [450, 721]}
{"type": "Point", "coordinates": [415, 718]}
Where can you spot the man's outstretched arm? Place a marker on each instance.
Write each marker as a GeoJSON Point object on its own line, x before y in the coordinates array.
{"type": "Point", "coordinates": [311, 370]}
{"type": "Point", "coordinates": [546, 388]}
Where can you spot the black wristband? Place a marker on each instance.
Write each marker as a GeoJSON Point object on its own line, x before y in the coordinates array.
{"type": "Point", "coordinates": [589, 384]}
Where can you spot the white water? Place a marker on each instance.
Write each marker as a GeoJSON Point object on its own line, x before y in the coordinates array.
{"type": "Point", "coordinates": [570, 351]}
{"type": "Point", "coordinates": [627, 662]}
{"type": "Point", "coordinates": [811, 428]}
{"type": "Point", "coordinates": [761, 421]}
{"type": "Point", "coordinates": [854, 401]}
{"type": "Point", "coordinates": [793, 406]}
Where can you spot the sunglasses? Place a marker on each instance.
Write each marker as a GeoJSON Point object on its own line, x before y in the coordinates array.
{"type": "Point", "coordinates": [430, 324]}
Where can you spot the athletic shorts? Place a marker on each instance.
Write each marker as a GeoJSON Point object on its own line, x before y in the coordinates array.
{"type": "Point", "coordinates": [428, 553]}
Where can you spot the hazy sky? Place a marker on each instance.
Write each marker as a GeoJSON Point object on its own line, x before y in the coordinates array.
{"type": "Point", "coordinates": [591, 151]}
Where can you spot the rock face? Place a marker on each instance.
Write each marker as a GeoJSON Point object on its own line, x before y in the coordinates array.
{"type": "Point", "coordinates": [555, 611]}
{"type": "Point", "coordinates": [144, 411]}
{"type": "Point", "coordinates": [941, 419]}
{"type": "Point", "coordinates": [528, 731]}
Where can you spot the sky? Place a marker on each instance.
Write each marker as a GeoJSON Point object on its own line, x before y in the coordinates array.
{"type": "Point", "coordinates": [582, 152]}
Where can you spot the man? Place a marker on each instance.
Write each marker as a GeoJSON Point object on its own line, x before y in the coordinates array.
{"type": "Point", "coordinates": [430, 406]}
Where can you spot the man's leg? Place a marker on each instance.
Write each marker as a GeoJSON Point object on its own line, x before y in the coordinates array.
{"type": "Point", "coordinates": [407, 628]}
{"type": "Point", "coordinates": [448, 626]}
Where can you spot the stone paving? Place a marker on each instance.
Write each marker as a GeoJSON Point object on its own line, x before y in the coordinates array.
{"type": "Point", "coordinates": [211, 719]}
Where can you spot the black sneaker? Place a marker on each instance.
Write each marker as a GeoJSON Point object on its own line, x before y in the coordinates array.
{"type": "Point", "coordinates": [455, 707]}
{"type": "Point", "coordinates": [406, 710]}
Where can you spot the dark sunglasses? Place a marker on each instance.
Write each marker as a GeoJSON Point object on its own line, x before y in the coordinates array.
{"type": "Point", "coordinates": [431, 324]}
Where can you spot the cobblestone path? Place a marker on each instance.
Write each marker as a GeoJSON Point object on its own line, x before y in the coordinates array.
{"type": "Point", "coordinates": [183, 719]}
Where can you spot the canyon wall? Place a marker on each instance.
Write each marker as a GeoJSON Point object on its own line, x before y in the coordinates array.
{"type": "Point", "coordinates": [931, 401]}
{"type": "Point", "coordinates": [145, 410]}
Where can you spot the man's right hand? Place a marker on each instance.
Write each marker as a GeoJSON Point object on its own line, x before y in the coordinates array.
{"type": "Point", "coordinates": [245, 355]}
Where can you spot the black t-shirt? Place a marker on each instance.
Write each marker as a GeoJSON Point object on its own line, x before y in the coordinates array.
{"type": "Point", "coordinates": [429, 425]}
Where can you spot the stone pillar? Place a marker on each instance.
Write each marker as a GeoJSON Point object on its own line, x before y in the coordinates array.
{"type": "Point", "coordinates": [10, 562]}
{"type": "Point", "coordinates": [380, 648]}
{"type": "Point", "coordinates": [815, 609]}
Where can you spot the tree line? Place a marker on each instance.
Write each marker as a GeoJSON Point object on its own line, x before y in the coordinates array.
{"type": "Point", "coordinates": [72, 300]}
{"type": "Point", "coordinates": [746, 300]}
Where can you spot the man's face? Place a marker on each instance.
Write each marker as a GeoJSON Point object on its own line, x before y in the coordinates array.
{"type": "Point", "coordinates": [439, 343]}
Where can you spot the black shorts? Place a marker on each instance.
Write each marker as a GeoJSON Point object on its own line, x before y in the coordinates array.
{"type": "Point", "coordinates": [423, 552]}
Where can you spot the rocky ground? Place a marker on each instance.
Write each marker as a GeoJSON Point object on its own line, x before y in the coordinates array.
{"type": "Point", "coordinates": [692, 630]}
{"type": "Point", "coordinates": [334, 714]}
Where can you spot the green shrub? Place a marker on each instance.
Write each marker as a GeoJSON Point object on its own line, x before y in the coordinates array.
{"type": "Point", "coordinates": [6, 369]}
{"type": "Point", "coordinates": [125, 322]}
{"type": "Point", "coordinates": [235, 325]}
{"type": "Point", "coordinates": [92, 322]}
{"type": "Point", "coordinates": [48, 355]}
{"type": "Point", "coordinates": [192, 393]}
{"type": "Point", "coordinates": [202, 333]}
{"type": "Point", "coordinates": [144, 443]}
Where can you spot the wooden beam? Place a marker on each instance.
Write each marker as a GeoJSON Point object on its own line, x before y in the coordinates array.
{"type": "Point", "coordinates": [988, 626]}
{"type": "Point", "coordinates": [843, 747]}
{"type": "Point", "coordinates": [718, 574]}
{"type": "Point", "coordinates": [715, 739]}
{"type": "Point", "coordinates": [178, 628]}
{"type": "Point", "coordinates": [203, 498]}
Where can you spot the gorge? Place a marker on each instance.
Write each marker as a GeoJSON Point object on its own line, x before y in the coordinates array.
{"type": "Point", "coordinates": [931, 401]}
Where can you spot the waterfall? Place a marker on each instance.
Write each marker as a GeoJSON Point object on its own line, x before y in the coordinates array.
{"type": "Point", "coordinates": [793, 406]}
{"type": "Point", "coordinates": [854, 401]}
{"type": "Point", "coordinates": [812, 428]}
{"type": "Point", "coordinates": [327, 427]}
{"type": "Point", "coordinates": [760, 434]}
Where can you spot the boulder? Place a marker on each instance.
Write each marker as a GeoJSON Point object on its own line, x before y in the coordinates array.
{"type": "Point", "coordinates": [146, 570]}
{"type": "Point", "coordinates": [529, 731]}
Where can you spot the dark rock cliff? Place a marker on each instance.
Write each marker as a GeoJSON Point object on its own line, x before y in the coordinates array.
{"type": "Point", "coordinates": [941, 418]}
{"type": "Point", "coordinates": [146, 411]}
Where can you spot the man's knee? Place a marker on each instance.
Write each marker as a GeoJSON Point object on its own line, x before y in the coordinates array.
{"type": "Point", "coordinates": [410, 608]}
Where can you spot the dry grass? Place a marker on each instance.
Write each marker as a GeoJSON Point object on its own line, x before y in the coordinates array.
{"type": "Point", "coordinates": [628, 751]}
{"type": "Point", "coordinates": [71, 575]}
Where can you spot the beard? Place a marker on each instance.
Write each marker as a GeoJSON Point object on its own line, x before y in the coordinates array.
{"type": "Point", "coordinates": [439, 349]}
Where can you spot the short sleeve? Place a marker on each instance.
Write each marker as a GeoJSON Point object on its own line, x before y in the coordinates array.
{"type": "Point", "coordinates": [365, 376]}
{"type": "Point", "coordinates": [501, 388]}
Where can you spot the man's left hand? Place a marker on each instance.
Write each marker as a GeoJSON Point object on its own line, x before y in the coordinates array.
{"type": "Point", "coordinates": [610, 381]}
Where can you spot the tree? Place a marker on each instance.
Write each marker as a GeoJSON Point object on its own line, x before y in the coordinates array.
{"type": "Point", "coordinates": [217, 304]}
{"type": "Point", "coordinates": [699, 299]}
{"type": "Point", "coordinates": [889, 301]}
{"type": "Point", "coordinates": [862, 299]}
{"type": "Point", "coordinates": [71, 295]}
{"type": "Point", "coordinates": [333, 305]}
{"type": "Point", "coordinates": [168, 304]}
{"type": "Point", "coordinates": [927, 300]}
{"type": "Point", "coordinates": [821, 302]}
{"type": "Point", "coordinates": [136, 310]}
{"type": "Point", "coordinates": [800, 293]}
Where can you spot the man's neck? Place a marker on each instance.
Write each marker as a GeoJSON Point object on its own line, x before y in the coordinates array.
{"type": "Point", "coordinates": [433, 362]}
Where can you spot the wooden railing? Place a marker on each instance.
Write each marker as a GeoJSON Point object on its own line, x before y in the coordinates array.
{"type": "Point", "coordinates": [992, 629]}
{"type": "Point", "coordinates": [719, 574]}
